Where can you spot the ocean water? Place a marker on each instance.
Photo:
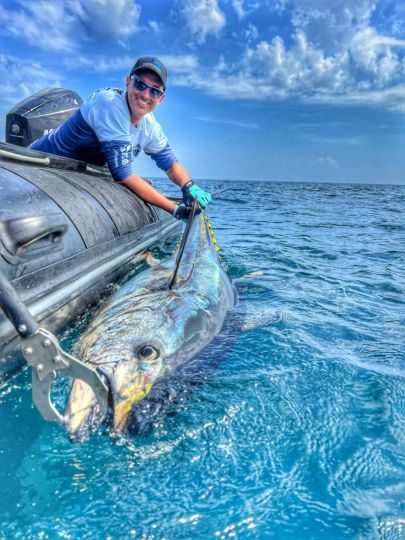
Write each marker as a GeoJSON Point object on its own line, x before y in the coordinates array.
{"type": "Point", "coordinates": [293, 427]}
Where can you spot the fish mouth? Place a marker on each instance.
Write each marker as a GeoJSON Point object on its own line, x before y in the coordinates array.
{"type": "Point", "coordinates": [127, 386]}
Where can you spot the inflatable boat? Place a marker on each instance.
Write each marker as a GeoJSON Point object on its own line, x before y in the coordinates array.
{"type": "Point", "coordinates": [66, 231]}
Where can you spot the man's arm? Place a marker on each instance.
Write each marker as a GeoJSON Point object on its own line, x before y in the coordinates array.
{"type": "Point", "coordinates": [148, 193]}
{"type": "Point", "coordinates": [178, 174]}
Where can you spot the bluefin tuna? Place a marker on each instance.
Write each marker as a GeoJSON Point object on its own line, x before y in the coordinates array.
{"type": "Point", "coordinates": [146, 330]}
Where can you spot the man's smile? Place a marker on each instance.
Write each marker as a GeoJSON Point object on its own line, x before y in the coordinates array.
{"type": "Point", "coordinates": [142, 100]}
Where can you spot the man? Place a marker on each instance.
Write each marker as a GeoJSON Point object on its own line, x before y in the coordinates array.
{"type": "Point", "coordinates": [113, 126]}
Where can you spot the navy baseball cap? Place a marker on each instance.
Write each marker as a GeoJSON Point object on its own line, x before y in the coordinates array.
{"type": "Point", "coordinates": [152, 63]}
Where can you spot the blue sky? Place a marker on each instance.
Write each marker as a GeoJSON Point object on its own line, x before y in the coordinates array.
{"type": "Point", "coordinates": [287, 90]}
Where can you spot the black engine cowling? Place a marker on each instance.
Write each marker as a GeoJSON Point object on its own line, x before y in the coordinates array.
{"type": "Point", "coordinates": [39, 114]}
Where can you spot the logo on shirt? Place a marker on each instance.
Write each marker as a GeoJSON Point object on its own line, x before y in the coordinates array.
{"type": "Point", "coordinates": [122, 155]}
{"type": "Point", "coordinates": [136, 149]}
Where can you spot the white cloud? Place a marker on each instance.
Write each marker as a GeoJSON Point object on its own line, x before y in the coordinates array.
{"type": "Point", "coordinates": [374, 58]}
{"type": "Point", "coordinates": [330, 25]}
{"type": "Point", "coordinates": [328, 162]}
{"type": "Point", "coordinates": [354, 140]}
{"type": "Point", "coordinates": [304, 69]}
{"type": "Point", "coordinates": [155, 26]}
{"type": "Point", "coordinates": [239, 9]}
{"type": "Point", "coordinates": [392, 99]}
{"type": "Point", "coordinates": [224, 121]}
{"type": "Point", "coordinates": [251, 33]}
{"type": "Point", "coordinates": [64, 26]}
{"type": "Point", "coordinates": [242, 10]}
{"type": "Point", "coordinates": [393, 16]}
{"type": "Point", "coordinates": [298, 69]}
{"type": "Point", "coordinates": [187, 63]}
{"type": "Point", "coordinates": [109, 18]}
{"type": "Point", "coordinates": [203, 17]}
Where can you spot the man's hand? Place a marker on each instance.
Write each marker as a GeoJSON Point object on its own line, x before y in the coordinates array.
{"type": "Point", "coordinates": [191, 192]}
{"type": "Point", "coordinates": [182, 211]}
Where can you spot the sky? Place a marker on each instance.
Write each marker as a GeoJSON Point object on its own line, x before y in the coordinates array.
{"type": "Point", "coordinates": [279, 90]}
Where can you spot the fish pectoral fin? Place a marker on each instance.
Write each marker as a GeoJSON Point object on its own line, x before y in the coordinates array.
{"type": "Point", "coordinates": [151, 260]}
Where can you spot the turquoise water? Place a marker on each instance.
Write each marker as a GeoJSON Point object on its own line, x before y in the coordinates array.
{"type": "Point", "coordinates": [293, 424]}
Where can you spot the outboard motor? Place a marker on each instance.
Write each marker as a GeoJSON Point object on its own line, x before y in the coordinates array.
{"type": "Point", "coordinates": [39, 114]}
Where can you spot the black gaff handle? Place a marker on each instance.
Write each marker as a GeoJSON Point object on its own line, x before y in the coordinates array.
{"type": "Point", "coordinates": [183, 242]}
{"type": "Point", "coordinates": [15, 309]}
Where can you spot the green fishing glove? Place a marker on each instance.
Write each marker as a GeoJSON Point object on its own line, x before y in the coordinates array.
{"type": "Point", "coordinates": [191, 193]}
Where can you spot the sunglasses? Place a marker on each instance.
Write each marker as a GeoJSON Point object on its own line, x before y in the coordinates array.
{"type": "Point", "coordinates": [141, 86]}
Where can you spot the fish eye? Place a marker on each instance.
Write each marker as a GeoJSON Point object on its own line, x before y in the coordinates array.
{"type": "Point", "coordinates": [148, 353]}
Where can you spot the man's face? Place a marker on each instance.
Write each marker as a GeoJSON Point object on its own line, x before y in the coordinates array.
{"type": "Point", "coordinates": [141, 102]}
